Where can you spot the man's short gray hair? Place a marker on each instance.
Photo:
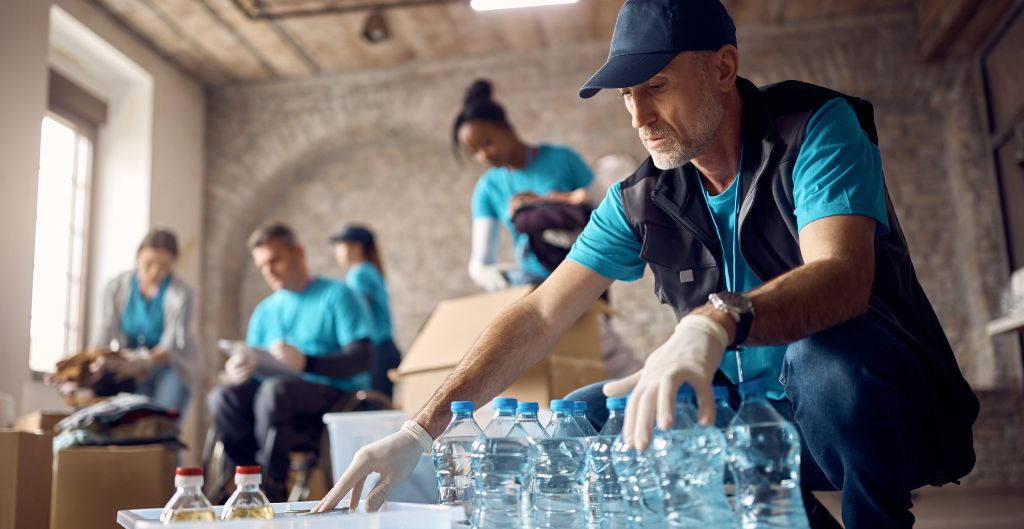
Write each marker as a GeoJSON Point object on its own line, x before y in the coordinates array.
{"type": "Point", "coordinates": [277, 231]}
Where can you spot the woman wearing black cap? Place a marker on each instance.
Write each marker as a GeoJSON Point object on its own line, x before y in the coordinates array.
{"type": "Point", "coordinates": [518, 175]}
{"type": "Point", "coordinates": [356, 249]}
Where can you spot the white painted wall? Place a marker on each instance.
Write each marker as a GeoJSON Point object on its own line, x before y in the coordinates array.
{"type": "Point", "coordinates": [23, 30]}
{"type": "Point", "coordinates": [151, 152]}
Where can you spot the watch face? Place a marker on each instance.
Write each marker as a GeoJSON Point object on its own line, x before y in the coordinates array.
{"type": "Point", "coordinates": [735, 301]}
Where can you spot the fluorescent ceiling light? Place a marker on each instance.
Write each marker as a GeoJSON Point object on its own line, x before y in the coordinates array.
{"type": "Point", "coordinates": [491, 5]}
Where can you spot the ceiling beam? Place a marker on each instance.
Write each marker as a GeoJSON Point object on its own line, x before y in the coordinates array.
{"type": "Point", "coordinates": [955, 28]}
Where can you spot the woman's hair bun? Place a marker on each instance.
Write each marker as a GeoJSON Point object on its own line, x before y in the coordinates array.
{"type": "Point", "coordinates": [480, 90]}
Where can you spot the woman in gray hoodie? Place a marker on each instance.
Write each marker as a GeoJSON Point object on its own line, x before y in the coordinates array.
{"type": "Point", "coordinates": [146, 316]}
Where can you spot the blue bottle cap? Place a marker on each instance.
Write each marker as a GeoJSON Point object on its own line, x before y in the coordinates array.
{"type": "Point", "coordinates": [528, 407]}
{"type": "Point", "coordinates": [564, 406]}
{"type": "Point", "coordinates": [505, 403]}
{"type": "Point", "coordinates": [462, 406]}
{"type": "Point", "coordinates": [721, 392]}
{"type": "Point", "coordinates": [685, 393]}
{"type": "Point", "coordinates": [753, 387]}
{"type": "Point", "coordinates": [615, 403]}
{"type": "Point", "coordinates": [580, 406]}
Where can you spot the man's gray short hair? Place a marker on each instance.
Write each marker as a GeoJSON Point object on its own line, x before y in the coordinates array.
{"type": "Point", "coordinates": [277, 231]}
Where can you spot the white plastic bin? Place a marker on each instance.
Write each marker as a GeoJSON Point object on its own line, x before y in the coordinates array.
{"type": "Point", "coordinates": [391, 516]}
{"type": "Point", "coordinates": [351, 431]}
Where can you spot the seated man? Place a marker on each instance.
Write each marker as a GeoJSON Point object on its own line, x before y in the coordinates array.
{"type": "Point", "coordinates": [318, 328]}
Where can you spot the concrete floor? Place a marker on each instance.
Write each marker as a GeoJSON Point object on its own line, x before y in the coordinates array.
{"type": "Point", "coordinates": [955, 508]}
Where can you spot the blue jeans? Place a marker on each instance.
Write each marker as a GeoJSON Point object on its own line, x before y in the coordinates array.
{"type": "Point", "coordinates": [853, 392]}
{"type": "Point", "coordinates": [166, 387]}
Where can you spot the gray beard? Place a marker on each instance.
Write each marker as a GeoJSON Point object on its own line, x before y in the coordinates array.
{"type": "Point", "coordinates": [709, 117]}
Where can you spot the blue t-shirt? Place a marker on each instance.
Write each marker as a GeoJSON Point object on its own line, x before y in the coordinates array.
{"type": "Point", "coordinates": [365, 279]}
{"type": "Point", "coordinates": [838, 171]}
{"type": "Point", "coordinates": [143, 320]}
{"type": "Point", "coordinates": [554, 168]}
{"type": "Point", "coordinates": [319, 321]}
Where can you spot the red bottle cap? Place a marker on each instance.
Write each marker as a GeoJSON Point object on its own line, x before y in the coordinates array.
{"type": "Point", "coordinates": [188, 471]}
{"type": "Point", "coordinates": [247, 469]}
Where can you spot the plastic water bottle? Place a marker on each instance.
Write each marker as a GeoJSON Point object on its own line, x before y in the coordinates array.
{"type": "Point", "coordinates": [611, 506]}
{"type": "Point", "coordinates": [504, 417]}
{"type": "Point", "coordinates": [452, 457]}
{"type": "Point", "coordinates": [563, 420]}
{"type": "Point", "coordinates": [580, 411]}
{"type": "Point", "coordinates": [560, 465]}
{"type": "Point", "coordinates": [723, 411]}
{"type": "Point", "coordinates": [685, 404]}
{"type": "Point", "coordinates": [188, 504]}
{"type": "Point", "coordinates": [723, 416]}
{"type": "Point", "coordinates": [248, 501]}
{"type": "Point", "coordinates": [500, 466]}
{"type": "Point", "coordinates": [764, 450]}
{"type": "Point", "coordinates": [526, 416]}
{"type": "Point", "coordinates": [690, 460]}
{"type": "Point", "coordinates": [645, 504]}
{"type": "Point", "coordinates": [590, 487]}
{"type": "Point", "coordinates": [527, 422]}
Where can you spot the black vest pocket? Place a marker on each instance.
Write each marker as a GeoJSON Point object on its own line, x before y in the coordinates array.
{"type": "Point", "coordinates": [685, 271]}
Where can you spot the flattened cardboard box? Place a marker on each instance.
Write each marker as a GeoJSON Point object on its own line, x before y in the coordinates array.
{"type": "Point", "coordinates": [90, 484]}
{"type": "Point", "coordinates": [25, 462]}
{"type": "Point", "coordinates": [455, 324]}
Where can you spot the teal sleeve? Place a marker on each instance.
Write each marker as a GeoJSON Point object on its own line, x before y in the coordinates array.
{"type": "Point", "coordinates": [838, 171]}
{"type": "Point", "coordinates": [579, 172]}
{"type": "Point", "coordinates": [483, 200]}
{"type": "Point", "coordinates": [360, 281]}
{"type": "Point", "coordinates": [254, 333]}
{"type": "Point", "coordinates": [352, 317]}
{"type": "Point", "coordinates": [608, 245]}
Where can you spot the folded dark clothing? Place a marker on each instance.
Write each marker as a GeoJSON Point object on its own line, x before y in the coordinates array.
{"type": "Point", "coordinates": [123, 407]}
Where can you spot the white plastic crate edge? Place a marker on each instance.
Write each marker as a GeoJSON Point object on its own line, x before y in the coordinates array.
{"type": "Point", "coordinates": [393, 515]}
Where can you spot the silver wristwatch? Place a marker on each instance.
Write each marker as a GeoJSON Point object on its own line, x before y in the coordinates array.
{"type": "Point", "coordinates": [737, 306]}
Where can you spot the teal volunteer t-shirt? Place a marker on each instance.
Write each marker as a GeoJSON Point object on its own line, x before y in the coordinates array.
{"type": "Point", "coordinates": [365, 279]}
{"type": "Point", "coordinates": [838, 171]}
{"type": "Point", "coordinates": [554, 168]}
{"type": "Point", "coordinates": [320, 320]}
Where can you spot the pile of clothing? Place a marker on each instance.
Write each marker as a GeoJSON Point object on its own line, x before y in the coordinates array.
{"type": "Point", "coordinates": [125, 419]}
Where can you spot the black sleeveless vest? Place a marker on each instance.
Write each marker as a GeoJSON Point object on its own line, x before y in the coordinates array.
{"type": "Point", "coordinates": [667, 211]}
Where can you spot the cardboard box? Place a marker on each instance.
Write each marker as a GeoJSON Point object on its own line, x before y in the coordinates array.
{"type": "Point", "coordinates": [25, 462]}
{"type": "Point", "coordinates": [90, 484]}
{"type": "Point", "coordinates": [455, 324]}
{"type": "Point", "coordinates": [43, 420]}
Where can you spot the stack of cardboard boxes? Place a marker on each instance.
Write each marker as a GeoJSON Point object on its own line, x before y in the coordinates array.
{"type": "Point", "coordinates": [76, 488]}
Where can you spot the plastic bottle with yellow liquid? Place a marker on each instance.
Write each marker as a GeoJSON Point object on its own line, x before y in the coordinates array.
{"type": "Point", "coordinates": [188, 504]}
{"type": "Point", "coordinates": [248, 501]}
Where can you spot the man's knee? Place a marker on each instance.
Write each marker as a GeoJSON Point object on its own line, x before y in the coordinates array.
{"type": "Point", "coordinates": [272, 398]}
{"type": "Point", "coordinates": [217, 402]}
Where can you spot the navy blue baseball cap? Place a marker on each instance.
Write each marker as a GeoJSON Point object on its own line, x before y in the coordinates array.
{"type": "Point", "coordinates": [354, 233]}
{"type": "Point", "coordinates": [650, 33]}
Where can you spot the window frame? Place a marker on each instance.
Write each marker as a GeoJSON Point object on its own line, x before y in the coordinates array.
{"type": "Point", "coordinates": [84, 114]}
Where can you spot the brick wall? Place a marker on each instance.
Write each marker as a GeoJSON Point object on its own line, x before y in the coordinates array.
{"type": "Point", "coordinates": [374, 147]}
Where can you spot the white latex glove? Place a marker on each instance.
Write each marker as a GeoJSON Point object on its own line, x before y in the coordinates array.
{"type": "Point", "coordinates": [488, 277]}
{"type": "Point", "coordinates": [289, 355]}
{"type": "Point", "coordinates": [393, 457]}
{"type": "Point", "coordinates": [690, 356]}
{"type": "Point", "coordinates": [240, 366]}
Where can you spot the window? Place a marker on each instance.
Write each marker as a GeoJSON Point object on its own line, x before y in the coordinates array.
{"type": "Point", "coordinates": [67, 147]}
{"type": "Point", "coordinates": [58, 288]}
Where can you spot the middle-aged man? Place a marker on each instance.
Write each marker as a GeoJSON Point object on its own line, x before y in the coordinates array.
{"type": "Point", "coordinates": [763, 215]}
{"type": "Point", "coordinates": [320, 330]}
